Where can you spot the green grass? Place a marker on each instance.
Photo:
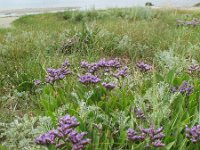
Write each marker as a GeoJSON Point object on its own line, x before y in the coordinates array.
{"type": "Point", "coordinates": [37, 42]}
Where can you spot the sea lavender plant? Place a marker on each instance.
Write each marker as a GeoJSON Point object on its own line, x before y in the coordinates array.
{"type": "Point", "coordinates": [108, 86]}
{"type": "Point", "coordinates": [144, 67]}
{"type": "Point", "coordinates": [47, 138]}
{"type": "Point", "coordinates": [123, 72]}
{"type": "Point", "coordinates": [78, 140]}
{"type": "Point", "coordinates": [193, 133]}
{"type": "Point", "coordinates": [85, 64]}
{"type": "Point", "coordinates": [103, 63]}
{"type": "Point", "coordinates": [64, 134]}
{"type": "Point", "coordinates": [184, 88]}
{"type": "Point", "coordinates": [89, 79]}
{"type": "Point", "coordinates": [139, 114]}
{"type": "Point", "coordinates": [66, 63]}
{"type": "Point", "coordinates": [154, 135]}
{"type": "Point", "coordinates": [57, 74]}
{"type": "Point", "coordinates": [134, 136]}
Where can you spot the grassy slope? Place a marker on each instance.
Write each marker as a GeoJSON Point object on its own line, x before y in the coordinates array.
{"type": "Point", "coordinates": [33, 45]}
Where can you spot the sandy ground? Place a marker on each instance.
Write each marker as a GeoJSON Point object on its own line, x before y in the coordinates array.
{"type": "Point", "coordinates": [6, 22]}
{"type": "Point", "coordinates": [8, 16]}
{"type": "Point", "coordinates": [11, 15]}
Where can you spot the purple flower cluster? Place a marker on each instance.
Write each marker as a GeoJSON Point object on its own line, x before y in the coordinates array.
{"type": "Point", "coordinates": [64, 134]}
{"type": "Point", "coordinates": [194, 68]}
{"type": "Point", "coordinates": [139, 114]}
{"type": "Point", "coordinates": [104, 68]}
{"type": "Point", "coordinates": [37, 82]}
{"type": "Point", "coordinates": [193, 22]}
{"type": "Point", "coordinates": [108, 86]}
{"type": "Point", "coordinates": [193, 133]}
{"type": "Point", "coordinates": [57, 74]}
{"type": "Point", "coordinates": [144, 67]}
{"type": "Point", "coordinates": [103, 63]}
{"type": "Point", "coordinates": [66, 63]}
{"type": "Point", "coordinates": [88, 79]}
{"type": "Point", "coordinates": [155, 136]}
{"type": "Point", "coordinates": [134, 136]}
{"type": "Point", "coordinates": [123, 72]}
{"type": "Point", "coordinates": [47, 138]}
{"type": "Point", "coordinates": [184, 88]}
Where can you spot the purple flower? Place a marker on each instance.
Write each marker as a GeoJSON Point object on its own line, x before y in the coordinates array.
{"type": "Point", "coordinates": [158, 143]}
{"type": "Point", "coordinates": [186, 88]}
{"type": "Point", "coordinates": [123, 72]}
{"type": "Point", "coordinates": [68, 122]}
{"type": "Point", "coordinates": [66, 63]}
{"type": "Point", "coordinates": [37, 82]}
{"type": "Point", "coordinates": [93, 67]}
{"type": "Point", "coordinates": [113, 63]}
{"type": "Point", "coordinates": [88, 79]}
{"type": "Point", "coordinates": [144, 67]}
{"type": "Point", "coordinates": [140, 114]}
{"type": "Point", "coordinates": [153, 133]}
{"type": "Point", "coordinates": [103, 63]}
{"type": "Point", "coordinates": [85, 64]}
{"type": "Point", "coordinates": [47, 138]}
{"type": "Point", "coordinates": [64, 134]}
{"type": "Point", "coordinates": [173, 89]}
{"type": "Point", "coordinates": [134, 136]}
{"type": "Point", "coordinates": [56, 74]}
{"type": "Point", "coordinates": [78, 140]}
{"type": "Point", "coordinates": [193, 133]}
{"type": "Point", "coordinates": [108, 86]}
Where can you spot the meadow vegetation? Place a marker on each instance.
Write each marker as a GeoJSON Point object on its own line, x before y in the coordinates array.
{"type": "Point", "coordinates": [143, 95]}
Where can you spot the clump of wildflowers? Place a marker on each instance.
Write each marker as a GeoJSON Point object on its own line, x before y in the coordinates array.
{"type": "Point", "coordinates": [108, 86]}
{"type": "Point", "coordinates": [64, 134]}
{"type": "Point", "coordinates": [193, 133]}
{"type": "Point", "coordinates": [139, 114]}
{"type": "Point", "coordinates": [78, 140]}
{"type": "Point", "coordinates": [89, 79]}
{"type": "Point", "coordinates": [134, 136]}
{"type": "Point", "coordinates": [103, 63]}
{"type": "Point", "coordinates": [96, 72]}
{"type": "Point", "coordinates": [57, 74]}
{"type": "Point", "coordinates": [144, 67]}
{"type": "Point", "coordinates": [123, 72]}
{"type": "Point", "coordinates": [184, 88]}
{"type": "Point", "coordinates": [85, 64]}
{"type": "Point", "coordinates": [154, 135]}
{"type": "Point", "coordinates": [47, 138]}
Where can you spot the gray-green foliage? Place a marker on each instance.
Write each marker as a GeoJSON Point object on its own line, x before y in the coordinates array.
{"type": "Point", "coordinates": [20, 133]}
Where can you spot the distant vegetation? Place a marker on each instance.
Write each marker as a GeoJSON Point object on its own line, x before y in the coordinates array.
{"type": "Point", "coordinates": [197, 5]}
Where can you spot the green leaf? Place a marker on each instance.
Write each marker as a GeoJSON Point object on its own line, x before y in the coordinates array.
{"type": "Point", "coordinates": [169, 146]}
